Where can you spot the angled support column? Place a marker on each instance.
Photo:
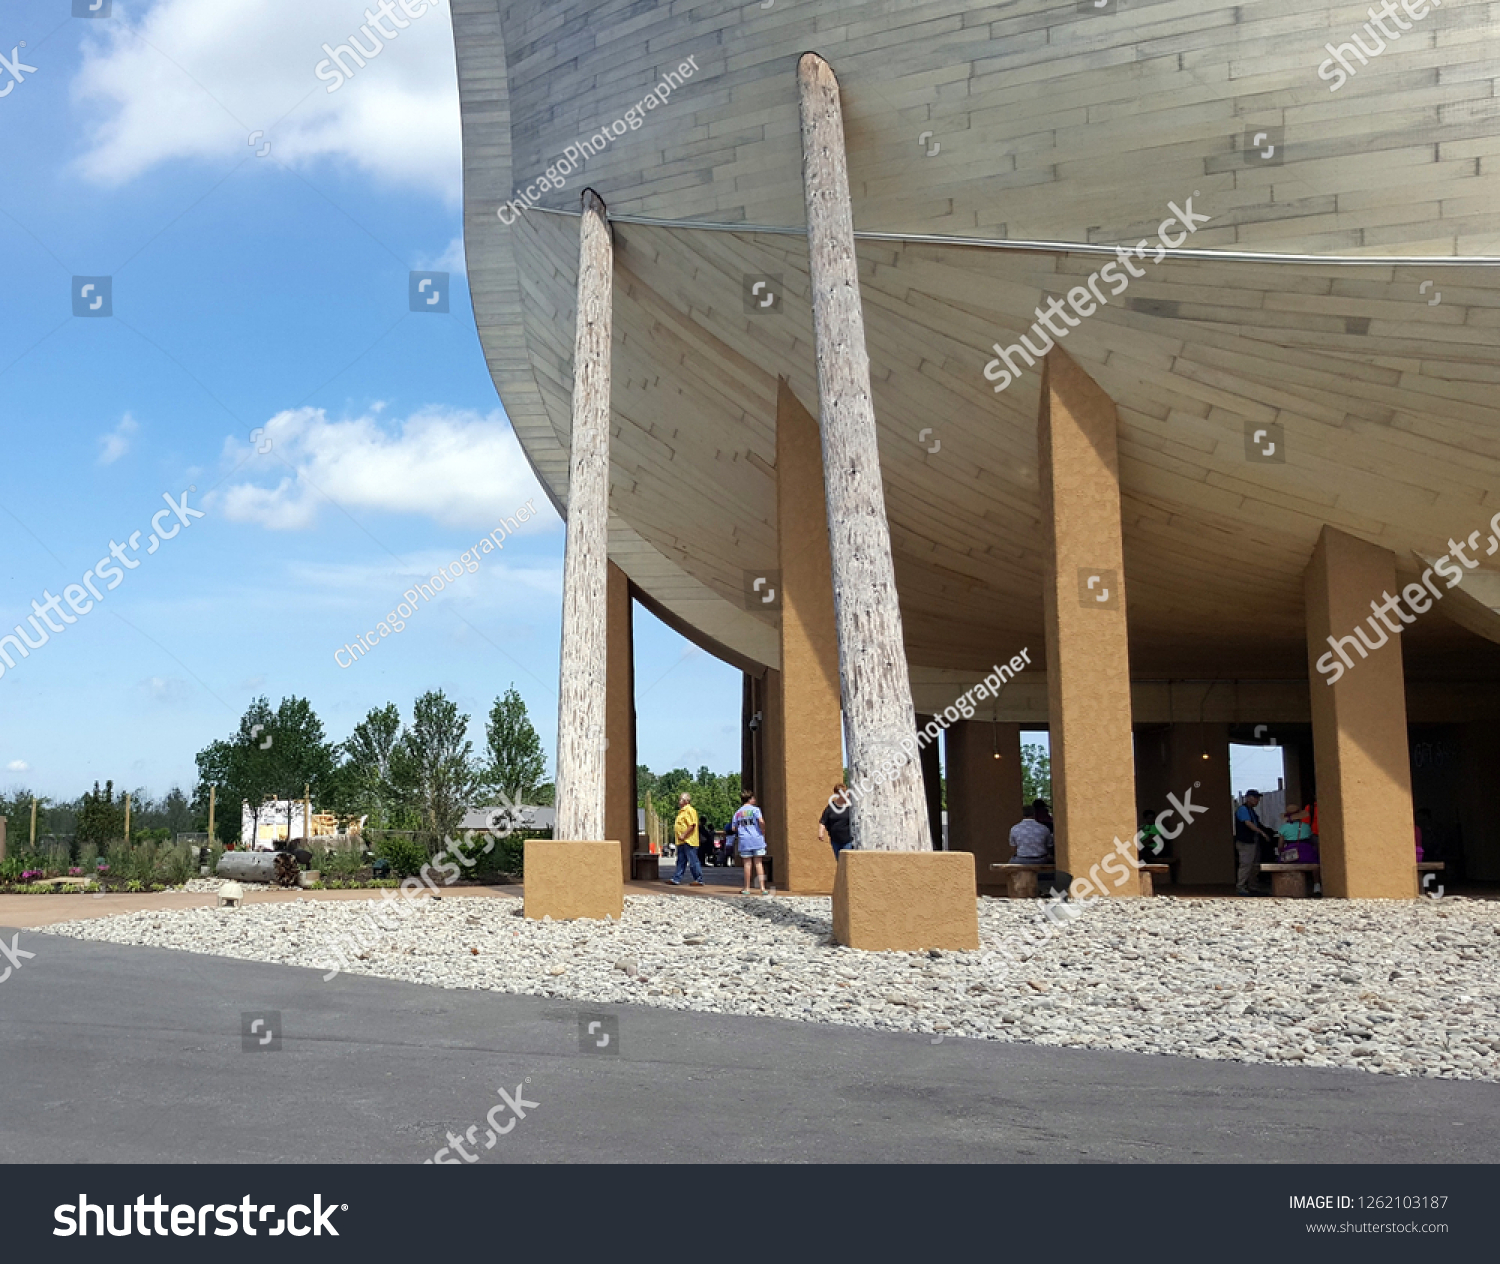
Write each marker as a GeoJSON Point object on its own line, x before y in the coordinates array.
{"type": "Point", "coordinates": [1088, 661]}
{"type": "Point", "coordinates": [811, 747]}
{"type": "Point", "coordinates": [576, 873]}
{"type": "Point", "coordinates": [891, 890]}
{"type": "Point", "coordinates": [1366, 831]}
{"type": "Point", "coordinates": [619, 705]}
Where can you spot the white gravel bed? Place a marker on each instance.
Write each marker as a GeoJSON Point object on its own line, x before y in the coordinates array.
{"type": "Point", "coordinates": [1391, 987]}
{"type": "Point", "coordinates": [210, 886]}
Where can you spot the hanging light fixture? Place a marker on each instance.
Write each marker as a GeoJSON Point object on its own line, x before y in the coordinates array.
{"type": "Point", "coordinates": [1202, 708]}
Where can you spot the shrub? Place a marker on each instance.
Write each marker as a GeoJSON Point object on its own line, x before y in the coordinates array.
{"type": "Point", "coordinates": [404, 855]}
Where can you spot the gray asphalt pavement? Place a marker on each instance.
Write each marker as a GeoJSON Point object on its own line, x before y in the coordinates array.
{"type": "Point", "coordinates": [140, 1055]}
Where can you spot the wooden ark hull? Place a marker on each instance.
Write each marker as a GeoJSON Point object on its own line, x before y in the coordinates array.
{"type": "Point", "coordinates": [1047, 123]}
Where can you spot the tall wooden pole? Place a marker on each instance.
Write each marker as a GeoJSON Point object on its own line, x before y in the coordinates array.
{"type": "Point", "coordinates": [211, 791]}
{"type": "Point", "coordinates": [127, 816]}
{"type": "Point", "coordinates": [581, 709]}
{"type": "Point", "coordinates": [307, 811]}
{"type": "Point", "coordinates": [891, 814]}
{"type": "Point", "coordinates": [33, 823]}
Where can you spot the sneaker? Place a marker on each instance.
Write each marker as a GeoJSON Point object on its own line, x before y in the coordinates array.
{"type": "Point", "coordinates": [1242, 891]}
{"type": "Point", "coordinates": [697, 882]}
{"type": "Point", "coordinates": [673, 882]}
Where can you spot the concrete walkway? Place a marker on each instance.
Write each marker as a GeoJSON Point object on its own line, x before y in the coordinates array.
{"type": "Point", "coordinates": [132, 1055]}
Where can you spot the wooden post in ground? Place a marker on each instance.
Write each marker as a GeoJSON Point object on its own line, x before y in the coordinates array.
{"type": "Point", "coordinates": [33, 823]}
{"type": "Point", "coordinates": [580, 720]}
{"type": "Point", "coordinates": [211, 791]}
{"type": "Point", "coordinates": [578, 872]}
{"type": "Point", "coordinates": [127, 818]}
{"type": "Point", "coordinates": [876, 687]}
{"type": "Point", "coordinates": [307, 812]}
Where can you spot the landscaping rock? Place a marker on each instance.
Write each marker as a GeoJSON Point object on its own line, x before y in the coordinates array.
{"type": "Point", "coordinates": [1218, 979]}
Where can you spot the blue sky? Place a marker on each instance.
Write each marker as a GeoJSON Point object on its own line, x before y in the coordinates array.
{"type": "Point", "coordinates": [261, 350]}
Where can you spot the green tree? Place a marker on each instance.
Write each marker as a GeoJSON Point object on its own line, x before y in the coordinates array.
{"type": "Point", "coordinates": [432, 770]}
{"type": "Point", "coordinates": [100, 819]}
{"type": "Point", "coordinates": [362, 784]}
{"type": "Point", "coordinates": [516, 764]}
{"type": "Point", "coordinates": [1036, 773]}
{"type": "Point", "coordinates": [273, 755]}
{"type": "Point", "coordinates": [716, 796]}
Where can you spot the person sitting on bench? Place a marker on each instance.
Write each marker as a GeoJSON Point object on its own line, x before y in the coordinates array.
{"type": "Point", "coordinates": [1033, 845]}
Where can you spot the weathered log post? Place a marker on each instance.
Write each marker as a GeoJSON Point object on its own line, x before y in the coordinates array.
{"type": "Point", "coordinates": [892, 891]}
{"type": "Point", "coordinates": [577, 873]}
{"type": "Point", "coordinates": [876, 687]}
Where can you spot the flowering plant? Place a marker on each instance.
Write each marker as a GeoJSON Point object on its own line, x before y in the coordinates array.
{"type": "Point", "coordinates": [30, 874]}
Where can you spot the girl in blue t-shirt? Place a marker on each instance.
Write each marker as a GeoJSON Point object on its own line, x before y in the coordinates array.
{"type": "Point", "coordinates": [750, 840]}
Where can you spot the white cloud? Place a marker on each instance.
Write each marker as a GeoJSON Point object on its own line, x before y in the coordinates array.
{"type": "Point", "coordinates": [451, 260]}
{"type": "Point", "coordinates": [456, 466]}
{"type": "Point", "coordinates": [194, 79]}
{"type": "Point", "coordinates": [170, 690]}
{"type": "Point", "coordinates": [116, 443]}
{"type": "Point", "coordinates": [18, 765]}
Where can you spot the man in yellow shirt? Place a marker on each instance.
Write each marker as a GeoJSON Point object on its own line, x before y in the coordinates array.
{"type": "Point", "coordinates": [686, 830]}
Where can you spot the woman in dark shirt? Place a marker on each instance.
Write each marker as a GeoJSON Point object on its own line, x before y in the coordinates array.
{"type": "Point", "coordinates": [834, 824]}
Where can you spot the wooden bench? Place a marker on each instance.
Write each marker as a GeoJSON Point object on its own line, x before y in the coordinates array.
{"type": "Point", "coordinates": [1289, 882]}
{"type": "Point", "coordinates": [1020, 880]}
{"type": "Point", "coordinates": [1147, 887]}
